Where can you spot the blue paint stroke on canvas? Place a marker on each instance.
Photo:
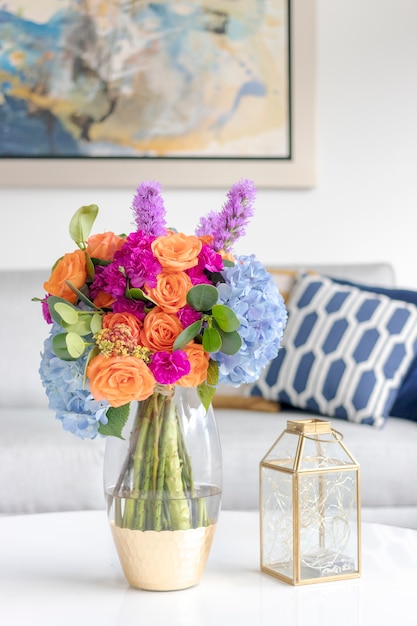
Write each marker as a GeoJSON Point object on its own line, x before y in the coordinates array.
{"type": "Point", "coordinates": [146, 79]}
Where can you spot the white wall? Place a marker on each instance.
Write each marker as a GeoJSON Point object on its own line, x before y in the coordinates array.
{"type": "Point", "coordinates": [364, 205]}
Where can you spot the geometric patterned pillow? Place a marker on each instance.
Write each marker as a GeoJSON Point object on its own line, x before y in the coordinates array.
{"type": "Point", "coordinates": [345, 351]}
{"type": "Point", "coordinates": [405, 404]}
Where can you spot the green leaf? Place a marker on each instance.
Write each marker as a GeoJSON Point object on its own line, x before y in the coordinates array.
{"type": "Point", "coordinates": [59, 345]}
{"type": "Point", "coordinates": [213, 373]}
{"type": "Point", "coordinates": [101, 262]}
{"type": "Point", "coordinates": [81, 296]}
{"type": "Point", "coordinates": [67, 312]}
{"type": "Point", "coordinates": [137, 294]}
{"type": "Point", "coordinates": [96, 323]}
{"type": "Point", "coordinates": [82, 222]}
{"type": "Point", "coordinates": [117, 417]}
{"type": "Point", "coordinates": [202, 297]}
{"type": "Point", "coordinates": [89, 266]}
{"type": "Point", "coordinates": [206, 393]}
{"type": "Point", "coordinates": [225, 317]}
{"type": "Point", "coordinates": [187, 335]}
{"type": "Point", "coordinates": [75, 345]}
{"type": "Point", "coordinates": [93, 352]}
{"type": "Point", "coordinates": [52, 301]}
{"type": "Point", "coordinates": [212, 340]}
{"type": "Point", "coordinates": [82, 327]}
{"type": "Point", "coordinates": [231, 342]}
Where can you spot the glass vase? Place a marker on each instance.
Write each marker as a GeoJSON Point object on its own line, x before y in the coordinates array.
{"type": "Point", "coordinates": [163, 484]}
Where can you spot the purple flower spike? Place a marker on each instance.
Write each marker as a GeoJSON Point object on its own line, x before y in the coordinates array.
{"type": "Point", "coordinates": [149, 210]}
{"type": "Point", "coordinates": [228, 225]}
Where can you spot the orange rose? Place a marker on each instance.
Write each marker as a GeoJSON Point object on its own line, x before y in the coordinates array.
{"type": "Point", "coordinates": [171, 290]}
{"type": "Point", "coordinates": [199, 361]}
{"type": "Point", "coordinates": [72, 268]}
{"type": "Point", "coordinates": [103, 300]}
{"type": "Point", "coordinates": [112, 319]}
{"type": "Point", "coordinates": [228, 256]}
{"type": "Point", "coordinates": [104, 245]}
{"type": "Point", "coordinates": [207, 239]}
{"type": "Point", "coordinates": [177, 251]}
{"type": "Point", "coordinates": [119, 379]}
{"type": "Point", "coordinates": [160, 330]}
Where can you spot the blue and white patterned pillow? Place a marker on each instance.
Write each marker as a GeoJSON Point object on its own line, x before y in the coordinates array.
{"type": "Point", "coordinates": [345, 351]}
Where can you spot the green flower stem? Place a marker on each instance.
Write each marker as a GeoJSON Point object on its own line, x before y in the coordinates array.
{"type": "Point", "coordinates": [137, 449]}
{"type": "Point", "coordinates": [157, 478]}
{"type": "Point", "coordinates": [177, 502]}
{"type": "Point", "coordinates": [142, 484]}
{"type": "Point", "coordinates": [161, 523]}
{"type": "Point", "coordinates": [200, 517]}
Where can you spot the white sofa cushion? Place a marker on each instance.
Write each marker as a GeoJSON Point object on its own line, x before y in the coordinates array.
{"type": "Point", "coordinates": [386, 456]}
{"type": "Point", "coordinates": [44, 468]}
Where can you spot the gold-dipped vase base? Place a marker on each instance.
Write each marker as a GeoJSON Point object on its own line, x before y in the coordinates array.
{"type": "Point", "coordinates": [166, 560]}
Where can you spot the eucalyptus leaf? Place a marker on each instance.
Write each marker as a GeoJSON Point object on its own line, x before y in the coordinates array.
{"type": "Point", "coordinates": [96, 323]}
{"type": "Point", "coordinates": [67, 312]}
{"type": "Point", "coordinates": [117, 418]}
{"type": "Point", "coordinates": [75, 345]}
{"type": "Point", "coordinates": [231, 342]}
{"type": "Point", "coordinates": [212, 341]}
{"type": "Point", "coordinates": [52, 302]}
{"type": "Point", "coordinates": [59, 345]}
{"type": "Point", "coordinates": [82, 327]}
{"type": "Point", "coordinates": [82, 222]}
{"type": "Point", "coordinates": [187, 335]}
{"type": "Point", "coordinates": [225, 317]}
{"type": "Point", "coordinates": [202, 297]}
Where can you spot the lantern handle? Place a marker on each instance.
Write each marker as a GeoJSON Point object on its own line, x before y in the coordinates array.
{"type": "Point", "coordinates": [337, 437]}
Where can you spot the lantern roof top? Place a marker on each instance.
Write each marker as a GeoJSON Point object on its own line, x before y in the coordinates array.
{"type": "Point", "coordinates": [309, 426]}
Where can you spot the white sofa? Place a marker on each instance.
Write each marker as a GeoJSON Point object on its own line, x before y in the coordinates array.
{"type": "Point", "coordinates": [43, 468]}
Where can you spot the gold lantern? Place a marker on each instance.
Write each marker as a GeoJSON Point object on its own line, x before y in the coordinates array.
{"type": "Point", "coordinates": [310, 506]}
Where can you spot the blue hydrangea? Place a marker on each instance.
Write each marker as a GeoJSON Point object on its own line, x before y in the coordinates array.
{"type": "Point", "coordinates": [252, 294]}
{"type": "Point", "coordinates": [67, 394]}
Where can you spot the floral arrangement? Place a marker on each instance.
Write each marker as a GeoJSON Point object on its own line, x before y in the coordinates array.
{"type": "Point", "coordinates": [155, 307]}
{"type": "Point", "coordinates": [134, 317]}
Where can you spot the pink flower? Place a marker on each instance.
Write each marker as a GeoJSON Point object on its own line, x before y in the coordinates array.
{"type": "Point", "coordinates": [45, 310]}
{"type": "Point", "coordinates": [210, 259]}
{"type": "Point", "coordinates": [168, 367]}
{"type": "Point", "coordinates": [188, 316]}
{"type": "Point", "coordinates": [127, 305]}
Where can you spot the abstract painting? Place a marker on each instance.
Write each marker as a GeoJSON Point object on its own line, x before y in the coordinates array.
{"type": "Point", "coordinates": [145, 81]}
{"type": "Point", "coordinates": [97, 78]}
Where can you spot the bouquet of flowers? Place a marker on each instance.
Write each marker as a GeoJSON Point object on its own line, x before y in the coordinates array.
{"type": "Point", "coordinates": [133, 316]}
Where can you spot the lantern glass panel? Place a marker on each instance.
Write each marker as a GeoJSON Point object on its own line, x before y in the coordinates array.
{"type": "Point", "coordinates": [283, 452]}
{"type": "Point", "coordinates": [277, 521]}
{"type": "Point", "coordinates": [327, 522]}
{"type": "Point", "coordinates": [318, 453]}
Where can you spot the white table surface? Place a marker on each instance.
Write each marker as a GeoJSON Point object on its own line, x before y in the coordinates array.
{"type": "Point", "coordinates": [62, 569]}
